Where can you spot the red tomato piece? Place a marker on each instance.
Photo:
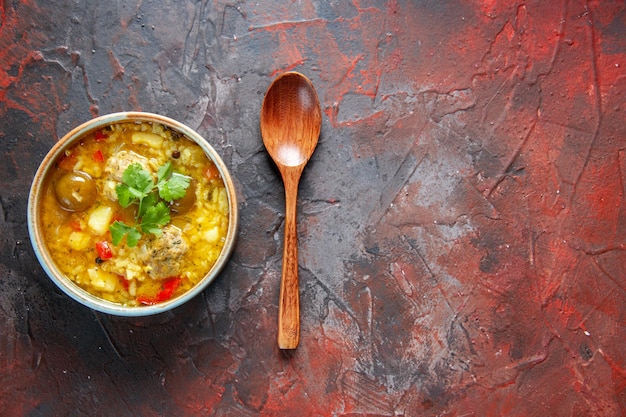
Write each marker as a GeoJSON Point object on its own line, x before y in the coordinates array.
{"type": "Point", "coordinates": [97, 156]}
{"type": "Point", "coordinates": [67, 162]}
{"type": "Point", "coordinates": [104, 250]}
{"type": "Point", "coordinates": [145, 300]}
{"type": "Point", "coordinates": [212, 172]}
{"type": "Point", "coordinates": [168, 289]}
{"type": "Point", "coordinates": [166, 292]}
{"type": "Point", "coordinates": [124, 282]}
{"type": "Point", "coordinates": [100, 136]}
{"type": "Point", "coordinates": [75, 225]}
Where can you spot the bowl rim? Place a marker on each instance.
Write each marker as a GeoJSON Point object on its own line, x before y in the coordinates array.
{"type": "Point", "coordinates": [65, 283]}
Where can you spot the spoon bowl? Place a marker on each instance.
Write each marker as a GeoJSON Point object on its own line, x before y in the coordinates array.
{"type": "Point", "coordinates": [291, 120]}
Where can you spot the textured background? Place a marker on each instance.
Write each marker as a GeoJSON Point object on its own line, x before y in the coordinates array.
{"type": "Point", "coordinates": [462, 223]}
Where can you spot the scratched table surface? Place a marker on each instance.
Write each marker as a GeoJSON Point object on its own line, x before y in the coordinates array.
{"type": "Point", "coordinates": [462, 223]}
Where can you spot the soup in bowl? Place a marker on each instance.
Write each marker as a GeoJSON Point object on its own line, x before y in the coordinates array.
{"type": "Point", "coordinates": [132, 214]}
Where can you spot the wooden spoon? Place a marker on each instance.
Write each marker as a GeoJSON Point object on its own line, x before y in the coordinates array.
{"type": "Point", "coordinates": [291, 120]}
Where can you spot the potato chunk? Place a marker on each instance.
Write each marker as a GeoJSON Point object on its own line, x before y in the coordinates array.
{"type": "Point", "coordinates": [79, 240]}
{"type": "Point", "coordinates": [151, 140]}
{"type": "Point", "coordinates": [102, 280]}
{"type": "Point", "coordinates": [100, 219]}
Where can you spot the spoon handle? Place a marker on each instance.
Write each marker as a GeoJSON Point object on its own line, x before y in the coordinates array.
{"type": "Point", "coordinates": [289, 303]}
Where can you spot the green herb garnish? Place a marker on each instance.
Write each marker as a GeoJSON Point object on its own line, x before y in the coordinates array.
{"type": "Point", "coordinates": [138, 187]}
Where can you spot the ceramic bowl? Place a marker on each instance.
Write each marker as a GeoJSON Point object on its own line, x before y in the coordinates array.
{"type": "Point", "coordinates": [35, 216]}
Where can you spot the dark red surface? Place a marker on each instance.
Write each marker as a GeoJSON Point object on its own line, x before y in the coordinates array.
{"type": "Point", "coordinates": [462, 222]}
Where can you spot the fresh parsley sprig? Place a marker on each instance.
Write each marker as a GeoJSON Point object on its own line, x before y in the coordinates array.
{"type": "Point", "coordinates": [138, 187]}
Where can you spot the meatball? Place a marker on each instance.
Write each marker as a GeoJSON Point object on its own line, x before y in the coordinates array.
{"type": "Point", "coordinates": [117, 164]}
{"type": "Point", "coordinates": [115, 167]}
{"type": "Point", "coordinates": [162, 254]}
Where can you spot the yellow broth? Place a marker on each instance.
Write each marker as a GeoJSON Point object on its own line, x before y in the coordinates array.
{"type": "Point", "coordinates": [146, 273]}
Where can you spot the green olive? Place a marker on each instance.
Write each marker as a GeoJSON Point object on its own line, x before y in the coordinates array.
{"type": "Point", "coordinates": [182, 205]}
{"type": "Point", "coordinates": [75, 191]}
